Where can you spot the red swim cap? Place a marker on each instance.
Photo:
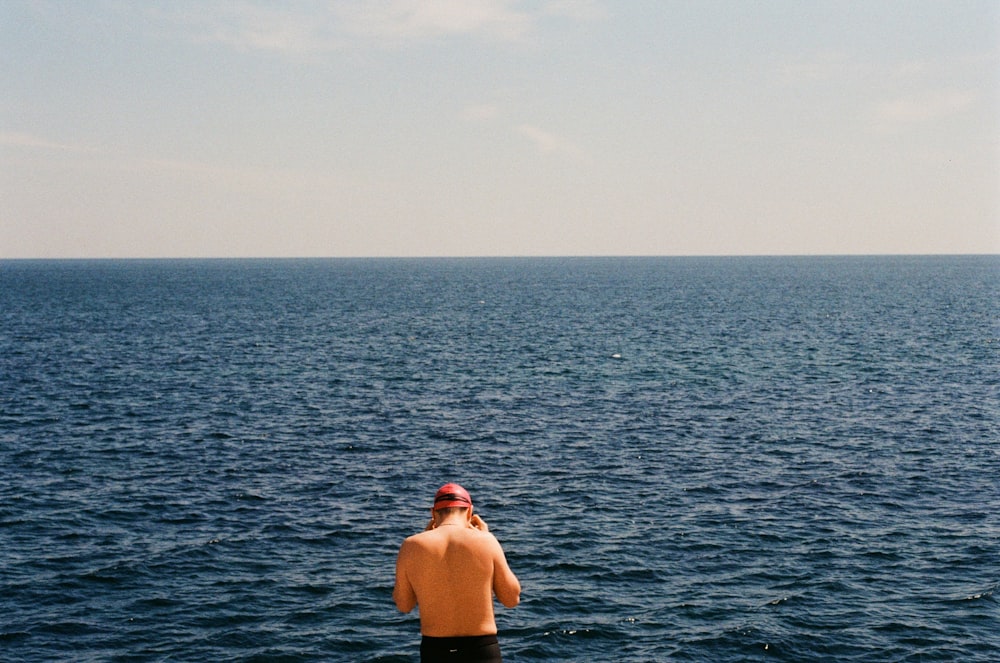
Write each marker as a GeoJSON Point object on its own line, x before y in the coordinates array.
{"type": "Point", "coordinates": [451, 494]}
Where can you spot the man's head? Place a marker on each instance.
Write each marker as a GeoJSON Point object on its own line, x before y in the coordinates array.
{"type": "Point", "coordinates": [451, 498]}
{"type": "Point", "coordinates": [452, 495]}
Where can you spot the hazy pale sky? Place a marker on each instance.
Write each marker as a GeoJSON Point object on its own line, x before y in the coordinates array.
{"type": "Point", "coordinates": [190, 128]}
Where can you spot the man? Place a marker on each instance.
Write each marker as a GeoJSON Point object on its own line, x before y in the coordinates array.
{"type": "Point", "coordinates": [452, 570]}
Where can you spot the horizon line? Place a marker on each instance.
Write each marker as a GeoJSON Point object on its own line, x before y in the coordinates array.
{"type": "Point", "coordinates": [493, 256]}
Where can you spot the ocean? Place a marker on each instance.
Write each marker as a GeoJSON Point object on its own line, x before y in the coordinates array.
{"type": "Point", "coordinates": [685, 459]}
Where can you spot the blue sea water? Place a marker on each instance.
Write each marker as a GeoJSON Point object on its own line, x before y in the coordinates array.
{"type": "Point", "coordinates": [686, 459]}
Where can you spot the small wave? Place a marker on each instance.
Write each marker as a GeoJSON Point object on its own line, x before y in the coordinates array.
{"type": "Point", "coordinates": [781, 600]}
{"type": "Point", "coordinates": [985, 594]}
{"type": "Point", "coordinates": [567, 631]}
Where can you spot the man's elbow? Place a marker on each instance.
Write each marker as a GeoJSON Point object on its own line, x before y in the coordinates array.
{"type": "Point", "coordinates": [512, 600]}
{"type": "Point", "coordinates": [404, 603]}
{"type": "Point", "coordinates": [511, 597]}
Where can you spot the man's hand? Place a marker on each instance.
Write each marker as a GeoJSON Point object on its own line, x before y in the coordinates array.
{"type": "Point", "coordinates": [478, 523]}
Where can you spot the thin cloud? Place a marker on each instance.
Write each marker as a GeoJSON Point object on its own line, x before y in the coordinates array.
{"type": "Point", "coordinates": [547, 142]}
{"type": "Point", "coordinates": [928, 107]}
{"type": "Point", "coordinates": [421, 19]}
{"type": "Point", "coordinates": [251, 26]}
{"type": "Point", "coordinates": [319, 27]}
{"type": "Point", "coordinates": [543, 140]}
{"type": "Point", "coordinates": [17, 139]}
{"type": "Point", "coordinates": [579, 10]}
{"type": "Point", "coordinates": [238, 178]}
{"type": "Point", "coordinates": [269, 29]}
{"type": "Point", "coordinates": [480, 113]}
{"type": "Point", "coordinates": [818, 67]}
{"type": "Point", "coordinates": [242, 179]}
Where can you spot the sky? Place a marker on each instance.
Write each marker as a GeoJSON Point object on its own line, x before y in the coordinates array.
{"type": "Point", "coordinates": [199, 128]}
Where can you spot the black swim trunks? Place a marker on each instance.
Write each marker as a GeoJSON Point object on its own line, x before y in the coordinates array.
{"type": "Point", "coordinates": [473, 649]}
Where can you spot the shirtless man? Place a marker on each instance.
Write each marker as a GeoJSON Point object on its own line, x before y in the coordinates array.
{"type": "Point", "coordinates": [452, 570]}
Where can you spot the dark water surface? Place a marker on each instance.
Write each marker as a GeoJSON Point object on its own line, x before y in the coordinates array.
{"type": "Point", "coordinates": [730, 459]}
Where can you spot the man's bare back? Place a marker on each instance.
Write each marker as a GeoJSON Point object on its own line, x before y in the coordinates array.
{"type": "Point", "coordinates": [452, 570]}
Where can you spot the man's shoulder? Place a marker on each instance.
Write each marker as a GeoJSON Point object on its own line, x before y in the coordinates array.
{"type": "Point", "coordinates": [428, 537]}
{"type": "Point", "coordinates": [422, 539]}
{"type": "Point", "coordinates": [416, 539]}
{"type": "Point", "coordinates": [483, 540]}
